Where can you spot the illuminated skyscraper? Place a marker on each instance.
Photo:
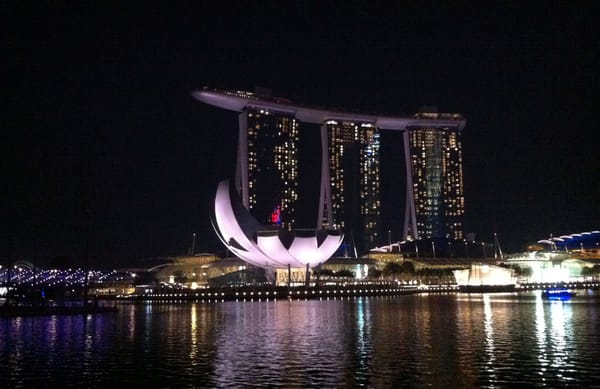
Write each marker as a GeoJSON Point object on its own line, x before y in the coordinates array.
{"type": "Point", "coordinates": [436, 203]}
{"type": "Point", "coordinates": [268, 165]}
{"type": "Point", "coordinates": [350, 181]}
{"type": "Point", "coordinates": [349, 198]}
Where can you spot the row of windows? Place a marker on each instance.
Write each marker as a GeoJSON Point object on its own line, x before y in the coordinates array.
{"type": "Point", "coordinates": [369, 169]}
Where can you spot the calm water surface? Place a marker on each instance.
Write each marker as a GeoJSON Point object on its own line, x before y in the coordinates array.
{"type": "Point", "coordinates": [453, 340]}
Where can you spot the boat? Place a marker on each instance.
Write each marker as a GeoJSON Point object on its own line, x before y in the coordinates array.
{"type": "Point", "coordinates": [487, 288]}
{"type": "Point", "coordinates": [557, 294]}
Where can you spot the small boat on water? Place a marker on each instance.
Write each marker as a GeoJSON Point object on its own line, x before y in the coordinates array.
{"type": "Point", "coordinates": [487, 288]}
{"type": "Point", "coordinates": [557, 294]}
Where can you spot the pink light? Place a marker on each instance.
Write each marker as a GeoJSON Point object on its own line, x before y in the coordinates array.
{"type": "Point", "coordinates": [268, 251]}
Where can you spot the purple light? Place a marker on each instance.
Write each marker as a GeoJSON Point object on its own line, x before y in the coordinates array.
{"type": "Point", "coordinates": [268, 250]}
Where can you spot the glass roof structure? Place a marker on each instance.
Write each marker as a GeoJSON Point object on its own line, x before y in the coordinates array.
{"type": "Point", "coordinates": [586, 240]}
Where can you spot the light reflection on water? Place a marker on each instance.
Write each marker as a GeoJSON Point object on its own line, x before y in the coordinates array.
{"type": "Point", "coordinates": [453, 340]}
{"type": "Point", "coordinates": [555, 339]}
{"type": "Point", "coordinates": [489, 338]}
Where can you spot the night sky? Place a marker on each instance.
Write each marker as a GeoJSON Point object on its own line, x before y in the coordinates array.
{"type": "Point", "coordinates": [106, 155]}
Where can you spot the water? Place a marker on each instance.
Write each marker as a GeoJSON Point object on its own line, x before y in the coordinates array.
{"type": "Point", "coordinates": [453, 340]}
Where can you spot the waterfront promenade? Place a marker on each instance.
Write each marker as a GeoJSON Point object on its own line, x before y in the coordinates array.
{"type": "Point", "coordinates": [257, 293]}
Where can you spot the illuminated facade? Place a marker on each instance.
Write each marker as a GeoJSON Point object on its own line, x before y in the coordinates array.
{"type": "Point", "coordinates": [267, 167]}
{"type": "Point", "coordinates": [483, 275]}
{"type": "Point", "coordinates": [435, 198]}
{"type": "Point", "coordinates": [264, 246]}
{"type": "Point", "coordinates": [350, 180]}
{"type": "Point", "coordinates": [269, 182]}
{"type": "Point", "coordinates": [564, 258]}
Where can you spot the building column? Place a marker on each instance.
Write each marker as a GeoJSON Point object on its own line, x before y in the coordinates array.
{"type": "Point", "coordinates": [307, 276]}
{"type": "Point", "coordinates": [410, 215]}
{"type": "Point", "coordinates": [325, 190]}
{"type": "Point", "coordinates": [241, 171]}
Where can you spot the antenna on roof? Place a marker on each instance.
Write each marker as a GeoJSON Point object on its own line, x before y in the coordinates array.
{"type": "Point", "coordinates": [499, 249]}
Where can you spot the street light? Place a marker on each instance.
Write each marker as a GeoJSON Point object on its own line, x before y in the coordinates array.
{"type": "Point", "coordinates": [400, 250]}
{"type": "Point", "coordinates": [193, 243]}
{"type": "Point", "coordinates": [433, 248]}
{"type": "Point", "coordinates": [467, 248]}
{"type": "Point", "coordinates": [495, 250]}
{"type": "Point", "coordinates": [483, 246]}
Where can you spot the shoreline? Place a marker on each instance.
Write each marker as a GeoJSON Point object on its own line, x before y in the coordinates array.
{"type": "Point", "coordinates": [268, 293]}
{"type": "Point", "coordinates": [321, 292]}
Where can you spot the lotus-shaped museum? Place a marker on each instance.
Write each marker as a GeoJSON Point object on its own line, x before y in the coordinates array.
{"type": "Point", "coordinates": [267, 246]}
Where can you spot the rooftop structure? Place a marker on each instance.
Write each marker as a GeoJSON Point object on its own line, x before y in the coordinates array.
{"type": "Point", "coordinates": [240, 101]}
{"type": "Point", "coordinates": [575, 241]}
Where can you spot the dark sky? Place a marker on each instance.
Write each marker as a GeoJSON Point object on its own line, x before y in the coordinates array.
{"type": "Point", "coordinates": [105, 152]}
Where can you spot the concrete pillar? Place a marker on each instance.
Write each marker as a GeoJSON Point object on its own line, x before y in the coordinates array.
{"type": "Point", "coordinates": [410, 215]}
{"type": "Point", "coordinates": [307, 276]}
{"type": "Point", "coordinates": [325, 190]}
{"type": "Point", "coordinates": [241, 172]}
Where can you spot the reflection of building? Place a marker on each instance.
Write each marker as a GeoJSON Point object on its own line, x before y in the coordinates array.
{"type": "Point", "coordinates": [435, 200]}
{"type": "Point", "coordinates": [350, 181]}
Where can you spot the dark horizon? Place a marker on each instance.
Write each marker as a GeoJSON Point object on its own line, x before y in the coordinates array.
{"type": "Point", "coordinates": [109, 157]}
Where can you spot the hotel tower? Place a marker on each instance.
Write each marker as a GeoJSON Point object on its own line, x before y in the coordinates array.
{"type": "Point", "coordinates": [349, 193]}
{"type": "Point", "coordinates": [436, 203]}
{"type": "Point", "coordinates": [350, 175]}
{"type": "Point", "coordinates": [267, 168]}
